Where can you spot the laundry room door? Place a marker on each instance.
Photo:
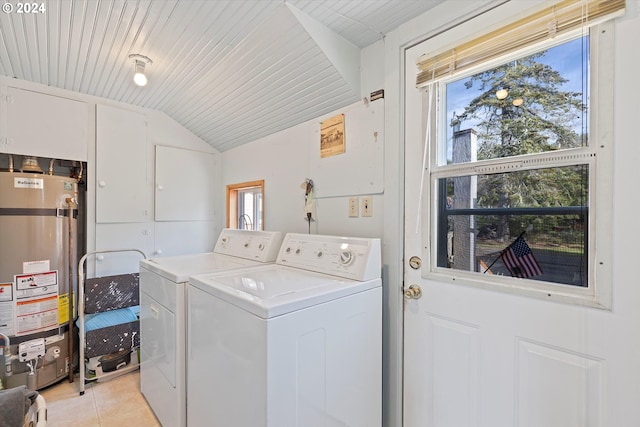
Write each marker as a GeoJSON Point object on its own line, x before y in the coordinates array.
{"type": "Point", "coordinates": [479, 356]}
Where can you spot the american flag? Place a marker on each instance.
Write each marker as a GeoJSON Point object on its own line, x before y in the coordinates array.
{"type": "Point", "coordinates": [520, 261]}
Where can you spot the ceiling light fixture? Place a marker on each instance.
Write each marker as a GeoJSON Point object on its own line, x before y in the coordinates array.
{"type": "Point", "coordinates": [139, 63]}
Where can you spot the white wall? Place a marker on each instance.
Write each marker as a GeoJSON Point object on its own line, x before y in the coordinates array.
{"type": "Point", "coordinates": [284, 160]}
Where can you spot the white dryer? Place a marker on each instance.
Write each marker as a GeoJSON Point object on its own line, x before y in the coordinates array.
{"type": "Point", "coordinates": [296, 343]}
{"type": "Point", "coordinates": [163, 313]}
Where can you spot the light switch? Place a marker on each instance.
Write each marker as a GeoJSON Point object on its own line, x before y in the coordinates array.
{"type": "Point", "coordinates": [367, 206]}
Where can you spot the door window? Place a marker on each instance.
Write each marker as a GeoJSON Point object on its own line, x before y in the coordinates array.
{"type": "Point", "coordinates": [515, 169]}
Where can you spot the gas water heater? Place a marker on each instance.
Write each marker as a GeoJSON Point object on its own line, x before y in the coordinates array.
{"type": "Point", "coordinates": [38, 252]}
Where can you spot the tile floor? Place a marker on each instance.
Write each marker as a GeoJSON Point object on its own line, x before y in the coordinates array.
{"type": "Point", "coordinates": [116, 402]}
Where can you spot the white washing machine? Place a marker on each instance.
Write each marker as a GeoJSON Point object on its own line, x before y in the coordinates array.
{"type": "Point", "coordinates": [296, 343]}
{"type": "Point", "coordinates": [162, 313]}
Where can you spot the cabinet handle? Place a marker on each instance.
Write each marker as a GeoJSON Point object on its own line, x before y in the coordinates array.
{"type": "Point", "coordinates": [160, 187]}
{"type": "Point", "coordinates": [102, 184]}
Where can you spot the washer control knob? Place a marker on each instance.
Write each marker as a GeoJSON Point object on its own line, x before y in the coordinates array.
{"type": "Point", "coordinates": [346, 257]}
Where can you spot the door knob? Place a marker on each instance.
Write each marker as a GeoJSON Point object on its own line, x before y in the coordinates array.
{"type": "Point", "coordinates": [414, 292]}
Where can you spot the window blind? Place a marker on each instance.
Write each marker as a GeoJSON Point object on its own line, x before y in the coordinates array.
{"type": "Point", "coordinates": [560, 18]}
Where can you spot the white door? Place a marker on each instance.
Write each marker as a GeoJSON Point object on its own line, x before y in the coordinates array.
{"type": "Point", "coordinates": [121, 166]}
{"type": "Point", "coordinates": [187, 176]}
{"type": "Point", "coordinates": [45, 125]}
{"type": "Point", "coordinates": [480, 357]}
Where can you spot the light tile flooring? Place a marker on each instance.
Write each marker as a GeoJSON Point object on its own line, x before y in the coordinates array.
{"type": "Point", "coordinates": [116, 402]}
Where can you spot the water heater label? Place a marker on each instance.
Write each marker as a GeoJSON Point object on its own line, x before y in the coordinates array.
{"type": "Point", "coordinates": [37, 183]}
{"type": "Point", "coordinates": [36, 266]}
{"type": "Point", "coordinates": [36, 283]}
{"type": "Point", "coordinates": [6, 292]}
{"type": "Point", "coordinates": [7, 326]}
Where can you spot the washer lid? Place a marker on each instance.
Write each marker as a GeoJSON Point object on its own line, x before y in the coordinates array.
{"type": "Point", "coordinates": [274, 290]}
{"type": "Point", "coordinates": [179, 268]}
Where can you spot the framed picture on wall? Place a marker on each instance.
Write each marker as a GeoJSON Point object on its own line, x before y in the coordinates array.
{"type": "Point", "coordinates": [332, 140]}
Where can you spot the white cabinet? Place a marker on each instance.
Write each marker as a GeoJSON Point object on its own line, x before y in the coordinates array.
{"type": "Point", "coordinates": [44, 125]}
{"type": "Point", "coordinates": [184, 185]}
{"type": "Point", "coordinates": [155, 239]}
{"type": "Point", "coordinates": [183, 237]}
{"type": "Point", "coordinates": [121, 236]}
{"type": "Point", "coordinates": [121, 166]}
{"type": "Point", "coordinates": [182, 194]}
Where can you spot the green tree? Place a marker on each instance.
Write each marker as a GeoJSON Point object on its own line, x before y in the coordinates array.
{"type": "Point", "coordinates": [535, 116]}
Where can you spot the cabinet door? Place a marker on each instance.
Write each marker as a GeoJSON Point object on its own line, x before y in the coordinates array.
{"type": "Point", "coordinates": [183, 237]}
{"type": "Point", "coordinates": [45, 125]}
{"type": "Point", "coordinates": [120, 236]}
{"type": "Point", "coordinates": [184, 185]}
{"type": "Point", "coordinates": [121, 165]}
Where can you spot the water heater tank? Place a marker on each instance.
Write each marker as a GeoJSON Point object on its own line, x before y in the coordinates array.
{"type": "Point", "coordinates": [37, 227]}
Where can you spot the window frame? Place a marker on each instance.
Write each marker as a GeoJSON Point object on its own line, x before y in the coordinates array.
{"type": "Point", "coordinates": [232, 201]}
{"type": "Point", "coordinates": [597, 154]}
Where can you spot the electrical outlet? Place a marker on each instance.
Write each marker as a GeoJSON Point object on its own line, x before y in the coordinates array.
{"type": "Point", "coordinates": [353, 207]}
{"type": "Point", "coordinates": [367, 206]}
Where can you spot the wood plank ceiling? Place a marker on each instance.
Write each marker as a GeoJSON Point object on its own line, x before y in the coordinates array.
{"type": "Point", "coordinates": [231, 71]}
